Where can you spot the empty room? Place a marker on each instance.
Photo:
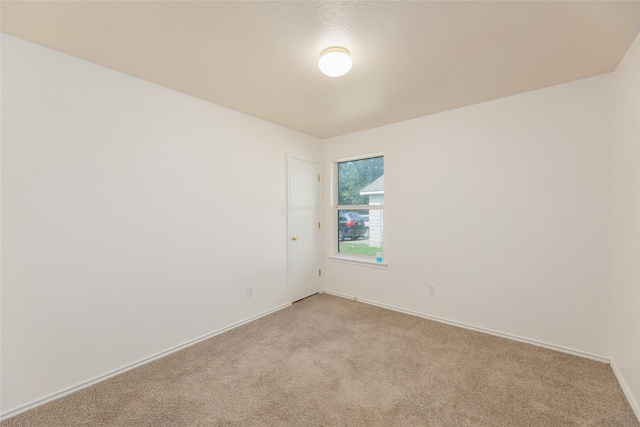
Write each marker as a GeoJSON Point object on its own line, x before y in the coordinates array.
{"type": "Point", "coordinates": [320, 213]}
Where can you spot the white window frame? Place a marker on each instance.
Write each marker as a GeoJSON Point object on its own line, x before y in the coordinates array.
{"type": "Point", "coordinates": [335, 254]}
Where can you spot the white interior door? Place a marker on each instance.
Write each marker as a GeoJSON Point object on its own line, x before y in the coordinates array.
{"type": "Point", "coordinates": [304, 228]}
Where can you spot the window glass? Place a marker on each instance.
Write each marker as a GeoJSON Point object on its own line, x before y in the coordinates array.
{"type": "Point", "coordinates": [359, 179]}
{"type": "Point", "coordinates": [360, 209]}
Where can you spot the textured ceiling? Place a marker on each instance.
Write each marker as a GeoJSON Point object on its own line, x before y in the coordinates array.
{"type": "Point", "coordinates": [410, 58]}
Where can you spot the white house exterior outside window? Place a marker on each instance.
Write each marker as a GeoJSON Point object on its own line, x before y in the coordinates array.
{"type": "Point", "coordinates": [375, 191]}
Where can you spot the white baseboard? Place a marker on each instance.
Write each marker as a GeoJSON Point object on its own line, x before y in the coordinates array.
{"type": "Point", "coordinates": [475, 328]}
{"type": "Point", "coordinates": [625, 389]}
{"type": "Point", "coordinates": [57, 395]}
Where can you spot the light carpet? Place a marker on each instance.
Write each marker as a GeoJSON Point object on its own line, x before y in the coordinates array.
{"type": "Point", "coordinates": [329, 361]}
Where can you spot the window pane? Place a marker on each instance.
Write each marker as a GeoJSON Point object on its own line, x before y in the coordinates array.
{"type": "Point", "coordinates": [361, 182]}
{"type": "Point", "coordinates": [360, 232]}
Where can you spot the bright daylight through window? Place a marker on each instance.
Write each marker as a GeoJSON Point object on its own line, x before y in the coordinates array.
{"type": "Point", "coordinates": [360, 207]}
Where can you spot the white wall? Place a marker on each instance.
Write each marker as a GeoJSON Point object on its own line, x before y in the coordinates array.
{"type": "Point", "coordinates": [505, 207]}
{"type": "Point", "coordinates": [133, 218]}
{"type": "Point", "coordinates": [625, 350]}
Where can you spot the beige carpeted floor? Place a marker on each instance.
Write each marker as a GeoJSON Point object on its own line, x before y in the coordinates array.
{"type": "Point", "coordinates": [328, 361]}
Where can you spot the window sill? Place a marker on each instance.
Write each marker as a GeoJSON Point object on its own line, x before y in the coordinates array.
{"type": "Point", "coordinates": [358, 261]}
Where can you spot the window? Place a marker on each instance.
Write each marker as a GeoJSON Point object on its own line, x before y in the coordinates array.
{"type": "Point", "coordinates": [360, 207]}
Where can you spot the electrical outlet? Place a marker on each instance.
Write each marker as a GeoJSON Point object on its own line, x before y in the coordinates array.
{"type": "Point", "coordinates": [432, 289]}
{"type": "Point", "coordinates": [249, 291]}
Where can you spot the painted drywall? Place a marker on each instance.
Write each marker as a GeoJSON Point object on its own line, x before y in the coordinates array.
{"type": "Point", "coordinates": [625, 348]}
{"type": "Point", "coordinates": [504, 207]}
{"type": "Point", "coordinates": [133, 219]}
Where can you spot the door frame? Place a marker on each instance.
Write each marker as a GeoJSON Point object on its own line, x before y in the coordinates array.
{"type": "Point", "coordinates": [290, 157]}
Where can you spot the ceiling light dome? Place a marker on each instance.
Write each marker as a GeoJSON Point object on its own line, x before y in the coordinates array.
{"type": "Point", "coordinates": [335, 61]}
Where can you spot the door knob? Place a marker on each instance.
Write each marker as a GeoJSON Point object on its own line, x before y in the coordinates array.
{"type": "Point", "coordinates": [294, 238]}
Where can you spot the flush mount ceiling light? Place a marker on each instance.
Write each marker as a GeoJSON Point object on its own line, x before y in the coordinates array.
{"type": "Point", "coordinates": [335, 61]}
